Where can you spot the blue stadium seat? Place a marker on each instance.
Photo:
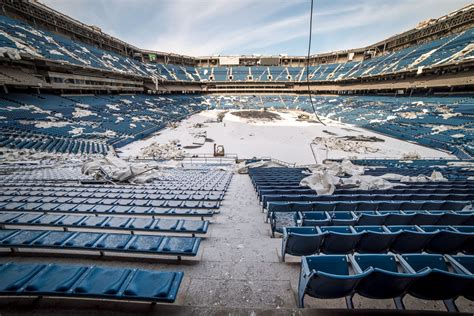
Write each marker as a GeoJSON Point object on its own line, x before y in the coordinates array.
{"type": "Point", "coordinates": [343, 218]}
{"type": "Point", "coordinates": [439, 283]}
{"type": "Point", "coordinates": [374, 239]}
{"type": "Point", "coordinates": [88, 282]}
{"type": "Point", "coordinates": [339, 239]}
{"type": "Point", "coordinates": [301, 241]}
{"type": "Point", "coordinates": [468, 231]}
{"type": "Point", "coordinates": [409, 239]}
{"type": "Point", "coordinates": [385, 281]}
{"type": "Point", "coordinates": [446, 240]}
{"type": "Point", "coordinates": [314, 218]}
{"type": "Point", "coordinates": [327, 277]}
{"type": "Point", "coordinates": [370, 218]}
{"type": "Point", "coordinates": [464, 265]}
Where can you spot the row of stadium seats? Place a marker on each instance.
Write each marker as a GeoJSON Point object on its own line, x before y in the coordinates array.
{"type": "Point", "coordinates": [66, 204]}
{"type": "Point", "coordinates": [92, 282]}
{"type": "Point", "coordinates": [355, 210]}
{"type": "Point", "coordinates": [68, 222]}
{"type": "Point", "coordinates": [365, 197]}
{"type": "Point", "coordinates": [60, 241]}
{"type": "Point", "coordinates": [384, 218]}
{"type": "Point", "coordinates": [173, 181]}
{"type": "Point", "coordinates": [449, 185]}
{"type": "Point", "coordinates": [400, 190]}
{"type": "Point", "coordinates": [92, 191]}
{"type": "Point", "coordinates": [305, 241]}
{"type": "Point", "coordinates": [424, 276]}
{"type": "Point", "coordinates": [122, 198]}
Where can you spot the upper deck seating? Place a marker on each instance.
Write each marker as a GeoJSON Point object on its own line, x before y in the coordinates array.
{"type": "Point", "coordinates": [35, 42]}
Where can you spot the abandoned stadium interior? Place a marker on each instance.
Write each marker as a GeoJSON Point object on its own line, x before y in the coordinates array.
{"type": "Point", "coordinates": [138, 181]}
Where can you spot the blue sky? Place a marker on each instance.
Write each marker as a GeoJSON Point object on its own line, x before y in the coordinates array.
{"type": "Point", "coordinates": [237, 27]}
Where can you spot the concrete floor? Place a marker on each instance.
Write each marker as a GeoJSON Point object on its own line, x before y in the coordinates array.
{"type": "Point", "coordinates": [238, 268]}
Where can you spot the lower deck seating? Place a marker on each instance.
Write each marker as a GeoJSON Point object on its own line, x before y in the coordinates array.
{"type": "Point", "coordinates": [416, 239]}
{"type": "Point", "coordinates": [424, 276]}
{"type": "Point", "coordinates": [99, 242]}
{"type": "Point", "coordinates": [62, 214]}
{"type": "Point", "coordinates": [92, 282]}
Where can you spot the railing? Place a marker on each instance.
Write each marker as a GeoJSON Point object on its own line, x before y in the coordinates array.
{"type": "Point", "coordinates": [278, 161]}
{"type": "Point", "coordinates": [197, 159]}
{"type": "Point", "coordinates": [222, 160]}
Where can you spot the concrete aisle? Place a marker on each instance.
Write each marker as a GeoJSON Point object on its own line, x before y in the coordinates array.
{"type": "Point", "coordinates": [240, 266]}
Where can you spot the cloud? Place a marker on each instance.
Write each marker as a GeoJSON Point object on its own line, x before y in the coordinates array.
{"type": "Point", "coordinates": [208, 27]}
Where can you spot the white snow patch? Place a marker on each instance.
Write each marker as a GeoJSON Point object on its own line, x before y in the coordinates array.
{"type": "Point", "coordinates": [76, 131]}
{"type": "Point", "coordinates": [44, 124]}
{"type": "Point", "coordinates": [113, 107]}
{"type": "Point", "coordinates": [287, 139]}
{"type": "Point", "coordinates": [78, 112]}
{"type": "Point", "coordinates": [31, 108]}
{"type": "Point", "coordinates": [55, 52]}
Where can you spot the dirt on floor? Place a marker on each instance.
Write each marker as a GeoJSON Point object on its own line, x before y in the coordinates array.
{"type": "Point", "coordinates": [221, 115]}
{"type": "Point", "coordinates": [362, 138]}
{"type": "Point", "coordinates": [256, 114]}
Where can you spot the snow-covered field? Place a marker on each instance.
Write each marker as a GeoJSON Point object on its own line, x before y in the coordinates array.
{"type": "Point", "coordinates": [287, 139]}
